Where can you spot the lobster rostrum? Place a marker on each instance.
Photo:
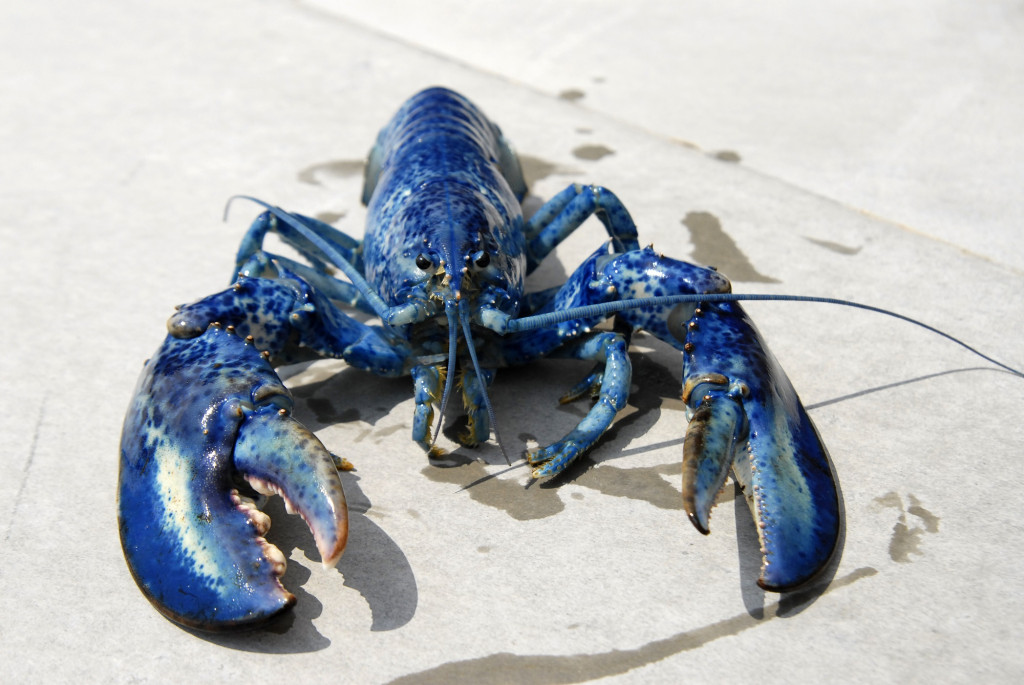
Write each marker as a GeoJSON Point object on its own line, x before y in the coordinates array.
{"type": "Point", "coordinates": [442, 265]}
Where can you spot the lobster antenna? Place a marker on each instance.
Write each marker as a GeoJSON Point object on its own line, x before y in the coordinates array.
{"type": "Point", "coordinates": [530, 323]}
{"type": "Point", "coordinates": [464, 320]}
{"type": "Point", "coordinates": [449, 310]}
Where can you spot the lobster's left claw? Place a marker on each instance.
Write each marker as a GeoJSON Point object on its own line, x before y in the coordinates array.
{"type": "Point", "coordinates": [208, 411]}
{"type": "Point", "coordinates": [747, 418]}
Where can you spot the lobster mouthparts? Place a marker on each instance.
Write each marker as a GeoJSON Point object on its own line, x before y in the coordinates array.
{"type": "Point", "coordinates": [208, 410]}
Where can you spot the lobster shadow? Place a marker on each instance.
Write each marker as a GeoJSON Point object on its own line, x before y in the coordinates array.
{"type": "Point", "coordinates": [658, 383]}
{"type": "Point", "coordinates": [373, 565]}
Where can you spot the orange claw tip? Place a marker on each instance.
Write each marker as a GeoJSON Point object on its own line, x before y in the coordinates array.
{"type": "Point", "coordinates": [332, 549]}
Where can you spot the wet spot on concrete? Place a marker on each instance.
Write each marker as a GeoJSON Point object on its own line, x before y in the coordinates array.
{"type": "Point", "coordinates": [329, 217]}
{"type": "Point", "coordinates": [576, 668]}
{"type": "Point", "coordinates": [686, 143]}
{"type": "Point", "coordinates": [907, 533]}
{"type": "Point", "coordinates": [905, 541]}
{"type": "Point", "coordinates": [572, 94]}
{"type": "Point", "coordinates": [713, 247]}
{"type": "Point", "coordinates": [535, 168]}
{"type": "Point", "coordinates": [639, 483]}
{"type": "Point", "coordinates": [890, 500]}
{"type": "Point", "coordinates": [339, 168]}
{"type": "Point", "coordinates": [928, 519]}
{"type": "Point", "coordinates": [835, 247]}
{"type": "Point", "coordinates": [727, 156]}
{"type": "Point", "coordinates": [316, 388]}
{"type": "Point", "coordinates": [592, 153]}
{"type": "Point", "coordinates": [509, 495]}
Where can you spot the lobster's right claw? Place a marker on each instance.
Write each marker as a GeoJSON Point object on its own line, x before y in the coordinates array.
{"type": "Point", "coordinates": [208, 411]}
{"type": "Point", "coordinates": [747, 418]}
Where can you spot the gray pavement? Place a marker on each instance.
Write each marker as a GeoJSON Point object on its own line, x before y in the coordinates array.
{"type": "Point", "coordinates": [869, 154]}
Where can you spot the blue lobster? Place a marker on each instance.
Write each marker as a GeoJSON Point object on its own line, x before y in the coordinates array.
{"type": "Point", "coordinates": [442, 266]}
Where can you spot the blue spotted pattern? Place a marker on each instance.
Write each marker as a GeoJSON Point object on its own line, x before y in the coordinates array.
{"type": "Point", "coordinates": [442, 266]}
{"type": "Point", "coordinates": [195, 552]}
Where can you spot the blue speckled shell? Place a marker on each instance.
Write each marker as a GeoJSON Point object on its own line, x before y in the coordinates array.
{"type": "Point", "coordinates": [440, 192]}
{"type": "Point", "coordinates": [205, 409]}
{"type": "Point", "coordinates": [445, 249]}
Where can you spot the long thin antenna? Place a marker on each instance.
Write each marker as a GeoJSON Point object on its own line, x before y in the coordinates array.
{"type": "Point", "coordinates": [530, 323]}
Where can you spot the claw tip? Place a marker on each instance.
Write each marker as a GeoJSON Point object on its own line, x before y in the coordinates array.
{"type": "Point", "coordinates": [703, 527]}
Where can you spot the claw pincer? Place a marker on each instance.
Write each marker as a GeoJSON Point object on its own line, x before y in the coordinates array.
{"type": "Point", "coordinates": [209, 412]}
{"type": "Point", "coordinates": [748, 419]}
{"type": "Point", "coordinates": [745, 416]}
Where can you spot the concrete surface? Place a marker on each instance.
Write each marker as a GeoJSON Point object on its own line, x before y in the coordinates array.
{"type": "Point", "coordinates": [879, 159]}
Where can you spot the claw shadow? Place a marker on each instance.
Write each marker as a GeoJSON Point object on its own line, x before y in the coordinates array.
{"type": "Point", "coordinates": [373, 565]}
{"type": "Point", "coordinates": [315, 407]}
{"type": "Point", "coordinates": [658, 382]}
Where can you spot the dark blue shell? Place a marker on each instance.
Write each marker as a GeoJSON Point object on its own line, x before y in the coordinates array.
{"type": "Point", "coordinates": [208, 409]}
{"type": "Point", "coordinates": [438, 187]}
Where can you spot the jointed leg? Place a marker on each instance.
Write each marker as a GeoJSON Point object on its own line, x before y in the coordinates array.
{"type": "Point", "coordinates": [253, 260]}
{"type": "Point", "coordinates": [428, 382]}
{"type": "Point", "coordinates": [601, 278]}
{"type": "Point", "coordinates": [563, 214]}
{"type": "Point", "coordinates": [611, 349]}
{"type": "Point", "coordinates": [343, 243]}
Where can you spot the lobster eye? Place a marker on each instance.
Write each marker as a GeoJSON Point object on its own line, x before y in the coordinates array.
{"type": "Point", "coordinates": [483, 260]}
{"type": "Point", "coordinates": [423, 261]}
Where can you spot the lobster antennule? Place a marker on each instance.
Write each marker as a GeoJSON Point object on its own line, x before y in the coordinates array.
{"type": "Point", "coordinates": [453, 340]}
